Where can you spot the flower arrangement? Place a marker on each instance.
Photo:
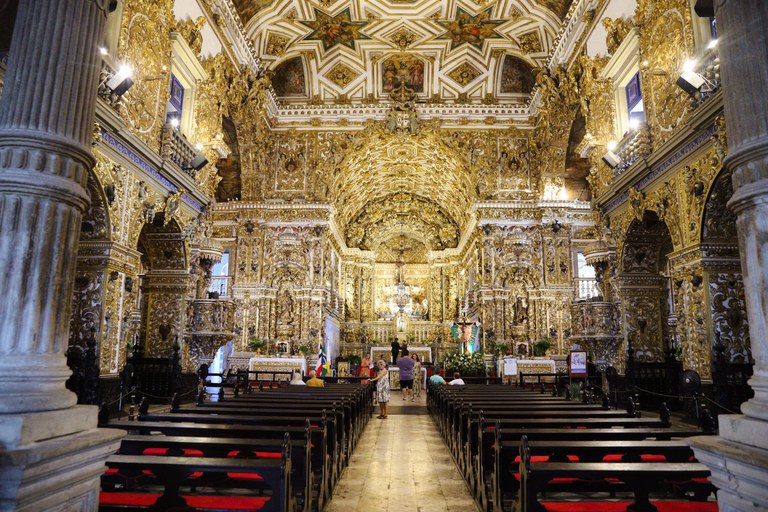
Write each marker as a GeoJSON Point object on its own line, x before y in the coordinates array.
{"type": "Point", "coordinates": [503, 348]}
{"type": "Point", "coordinates": [255, 344]}
{"type": "Point", "coordinates": [303, 349]}
{"type": "Point", "coordinates": [468, 365]}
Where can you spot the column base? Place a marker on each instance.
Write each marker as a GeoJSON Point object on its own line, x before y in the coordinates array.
{"type": "Point", "coordinates": [739, 471]}
{"type": "Point", "coordinates": [60, 473]}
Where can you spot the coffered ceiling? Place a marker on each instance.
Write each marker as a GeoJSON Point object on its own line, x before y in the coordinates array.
{"type": "Point", "coordinates": [358, 51]}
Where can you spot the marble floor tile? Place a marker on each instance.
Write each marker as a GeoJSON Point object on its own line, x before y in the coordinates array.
{"type": "Point", "coordinates": [401, 465]}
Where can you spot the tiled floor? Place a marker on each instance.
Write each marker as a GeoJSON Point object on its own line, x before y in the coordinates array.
{"type": "Point", "coordinates": [401, 465]}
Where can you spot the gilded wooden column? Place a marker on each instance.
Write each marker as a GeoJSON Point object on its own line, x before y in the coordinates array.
{"type": "Point", "coordinates": [46, 120]}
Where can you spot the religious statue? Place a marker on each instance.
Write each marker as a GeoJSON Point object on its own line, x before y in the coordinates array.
{"type": "Point", "coordinates": [285, 308]}
{"type": "Point", "coordinates": [172, 205]}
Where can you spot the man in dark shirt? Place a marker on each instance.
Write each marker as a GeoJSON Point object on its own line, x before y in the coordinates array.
{"type": "Point", "coordinates": [405, 364]}
{"type": "Point", "coordinates": [395, 350]}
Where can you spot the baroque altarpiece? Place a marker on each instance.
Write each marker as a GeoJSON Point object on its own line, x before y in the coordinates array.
{"type": "Point", "coordinates": [385, 178]}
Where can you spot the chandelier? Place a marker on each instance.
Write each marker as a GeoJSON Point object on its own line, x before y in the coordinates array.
{"type": "Point", "coordinates": [401, 293]}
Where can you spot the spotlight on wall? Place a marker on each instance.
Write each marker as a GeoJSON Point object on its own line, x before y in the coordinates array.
{"type": "Point", "coordinates": [691, 82]}
{"type": "Point", "coordinates": [120, 81]}
{"type": "Point", "coordinates": [611, 159]}
{"type": "Point", "coordinates": [198, 162]}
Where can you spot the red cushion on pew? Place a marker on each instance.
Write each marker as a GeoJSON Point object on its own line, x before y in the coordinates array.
{"type": "Point", "coordinates": [564, 480]}
{"type": "Point", "coordinates": [258, 455]}
{"type": "Point", "coordinates": [245, 476]}
{"type": "Point", "coordinates": [545, 458]}
{"type": "Point", "coordinates": [621, 506]}
{"type": "Point", "coordinates": [646, 457]}
{"type": "Point", "coordinates": [535, 458]}
{"type": "Point", "coordinates": [188, 452]}
{"type": "Point", "coordinates": [268, 455]}
{"type": "Point", "coordinates": [218, 502]}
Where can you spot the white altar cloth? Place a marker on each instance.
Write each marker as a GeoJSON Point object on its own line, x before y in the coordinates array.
{"type": "Point", "coordinates": [278, 364]}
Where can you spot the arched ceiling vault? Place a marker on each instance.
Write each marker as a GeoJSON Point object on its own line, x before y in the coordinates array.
{"type": "Point", "coordinates": [393, 183]}
{"type": "Point", "coordinates": [358, 50]}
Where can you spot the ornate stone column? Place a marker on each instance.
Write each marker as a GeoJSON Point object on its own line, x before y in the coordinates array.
{"type": "Point", "coordinates": [739, 457]}
{"type": "Point", "coordinates": [52, 454]}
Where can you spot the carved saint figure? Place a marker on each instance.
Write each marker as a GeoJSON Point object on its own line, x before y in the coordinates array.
{"type": "Point", "coordinates": [285, 308]}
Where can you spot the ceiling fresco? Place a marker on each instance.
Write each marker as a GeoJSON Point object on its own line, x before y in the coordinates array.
{"type": "Point", "coordinates": [464, 28]}
{"type": "Point", "coordinates": [333, 30]}
{"type": "Point", "coordinates": [358, 51]}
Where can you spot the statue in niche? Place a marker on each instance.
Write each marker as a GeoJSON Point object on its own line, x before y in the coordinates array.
{"type": "Point", "coordinates": [520, 311]}
{"type": "Point", "coordinates": [285, 308]}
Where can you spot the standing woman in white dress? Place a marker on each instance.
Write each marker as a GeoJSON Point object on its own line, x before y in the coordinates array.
{"type": "Point", "coordinates": [382, 388]}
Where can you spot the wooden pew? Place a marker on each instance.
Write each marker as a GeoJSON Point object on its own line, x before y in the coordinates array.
{"type": "Point", "coordinates": [502, 480]}
{"type": "Point", "coordinates": [336, 437]}
{"type": "Point", "coordinates": [639, 477]}
{"type": "Point", "coordinates": [173, 473]}
{"type": "Point", "coordinates": [320, 464]}
{"type": "Point", "coordinates": [302, 477]}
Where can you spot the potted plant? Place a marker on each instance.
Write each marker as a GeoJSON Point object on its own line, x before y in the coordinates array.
{"type": "Point", "coordinates": [354, 363]}
{"type": "Point", "coordinates": [303, 349]}
{"type": "Point", "coordinates": [540, 347]}
{"type": "Point", "coordinates": [256, 345]}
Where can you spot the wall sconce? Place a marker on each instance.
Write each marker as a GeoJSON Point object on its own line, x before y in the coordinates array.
{"type": "Point", "coordinates": [121, 81]}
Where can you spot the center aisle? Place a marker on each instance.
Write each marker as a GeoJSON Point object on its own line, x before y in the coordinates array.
{"type": "Point", "coordinates": [401, 464]}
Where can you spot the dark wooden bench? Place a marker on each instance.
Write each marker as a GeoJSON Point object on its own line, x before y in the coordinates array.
{"type": "Point", "coordinates": [639, 477]}
{"type": "Point", "coordinates": [173, 474]}
{"type": "Point", "coordinates": [302, 475]}
{"type": "Point", "coordinates": [321, 463]}
{"type": "Point", "coordinates": [502, 475]}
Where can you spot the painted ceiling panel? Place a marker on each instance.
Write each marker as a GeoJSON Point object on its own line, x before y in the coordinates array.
{"type": "Point", "coordinates": [430, 45]}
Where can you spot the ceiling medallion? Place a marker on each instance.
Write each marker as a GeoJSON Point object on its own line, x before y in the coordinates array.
{"type": "Point", "coordinates": [403, 38]}
{"type": "Point", "coordinates": [464, 74]}
{"type": "Point", "coordinates": [468, 29]}
{"type": "Point", "coordinates": [342, 75]}
{"type": "Point", "coordinates": [335, 30]}
{"type": "Point", "coordinates": [530, 43]}
{"type": "Point", "coordinates": [276, 45]}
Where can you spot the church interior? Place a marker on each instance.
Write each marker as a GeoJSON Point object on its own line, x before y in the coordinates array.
{"type": "Point", "coordinates": [555, 201]}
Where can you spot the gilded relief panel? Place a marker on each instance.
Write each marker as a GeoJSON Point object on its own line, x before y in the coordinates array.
{"type": "Point", "coordinates": [729, 315]}
{"type": "Point", "coordinates": [666, 41]}
{"type": "Point", "coordinates": [144, 44]}
{"type": "Point", "coordinates": [514, 171]}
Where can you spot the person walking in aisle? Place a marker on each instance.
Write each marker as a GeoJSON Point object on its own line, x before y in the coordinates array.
{"type": "Point", "coordinates": [406, 364]}
{"type": "Point", "coordinates": [382, 388]}
{"type": "Point", "coordinates": [416, 375]}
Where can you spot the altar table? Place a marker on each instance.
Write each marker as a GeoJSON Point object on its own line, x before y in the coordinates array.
{"type": "Point", "coordinates": [510, 368]}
